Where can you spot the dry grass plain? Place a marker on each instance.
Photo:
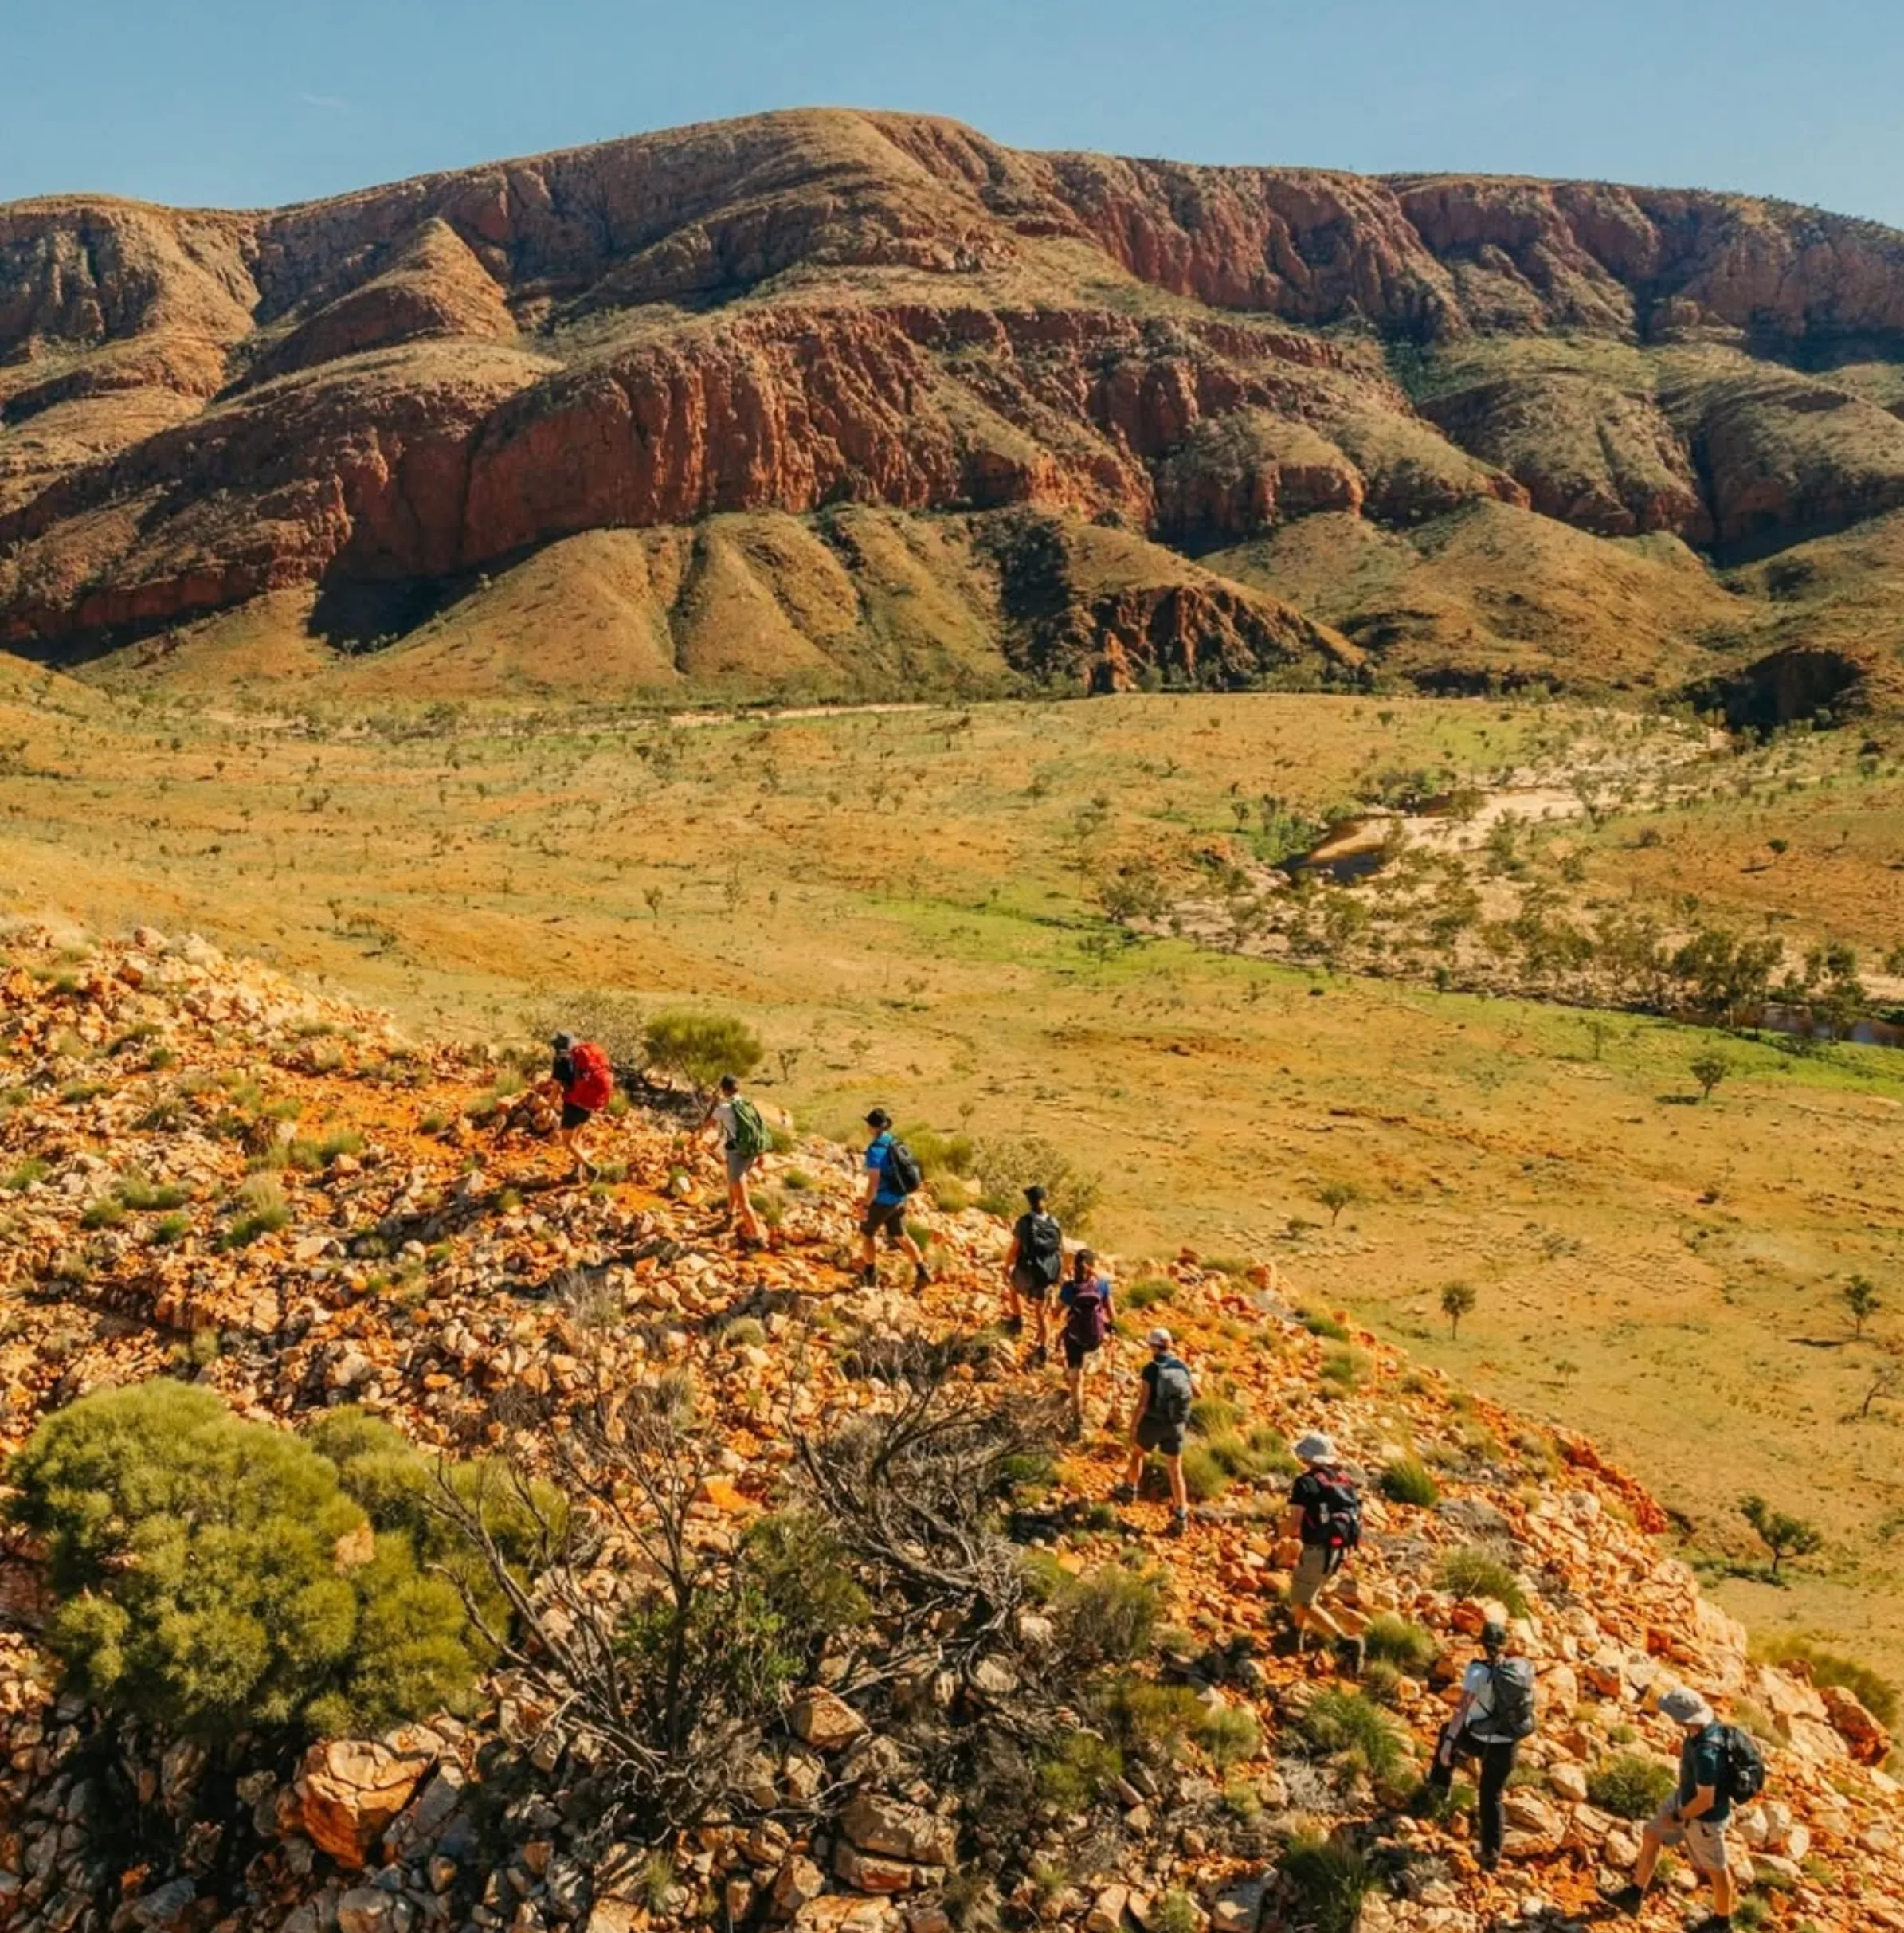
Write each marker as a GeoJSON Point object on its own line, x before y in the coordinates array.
{"type": "Point", "coordinates": [897, 898]}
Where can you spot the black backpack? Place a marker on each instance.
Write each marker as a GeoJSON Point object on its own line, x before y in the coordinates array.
{"type": "Point", "coordinates": [1743, 1765]}
{"type": "Point", "coordinates": [1332, 1519]}
{"type": "Point", "coordinates": [903, 1170]}
{"type": "Point", "coordinates": [1041, 1252]}
{"type": "Point", "coordinates": [1170, 1394]}
{"type": "Point", "coordinates": [1515, 1704]}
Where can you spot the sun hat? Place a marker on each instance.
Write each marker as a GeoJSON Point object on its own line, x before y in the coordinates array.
{"type": "Point", "coordinates": [1685, 1707]}
{"type": "Point", "coordinates": [1160, 1339]}
{"type": "Point", "coordinates": [878, 1118]}
{"type": "Point", "coordinates": [1315, 1449]}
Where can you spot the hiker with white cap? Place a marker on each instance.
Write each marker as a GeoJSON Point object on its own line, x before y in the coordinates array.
{"type": "Point", "coordinates": [1325, 1515]}
{"type": "Point", "coordinates": [1719, 1765]}
{"type": "Point", "coordinates": [1496, 1712]}
{"type": "Point", "coordinates": [1165, 1391]}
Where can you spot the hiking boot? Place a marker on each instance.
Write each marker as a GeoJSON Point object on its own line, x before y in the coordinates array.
{"type": "Point", "coordinates": [1014, 1325]}
{"type": "Point", "coordinates": [1124, 1493]}
{"type": "Point", "coordinates": [921, 1276]}
{"type": "Point", "coordinates": [1179, 1522]}
{"type": "Point", "coordinates": [1490, 1862]}
{"type": "Point", "coordinates": [869, 1276]}
{"type": "Point", "coordinates": [1355, 1655]}
{"type": "Point", "coordinates": [1627, 1899]}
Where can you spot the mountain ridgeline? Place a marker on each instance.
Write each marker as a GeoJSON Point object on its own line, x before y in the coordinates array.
{"type": "Point", "coordinates": [846, 401]}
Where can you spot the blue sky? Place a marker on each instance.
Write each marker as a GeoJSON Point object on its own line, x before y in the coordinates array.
{"type": "Point", "coordinates": [250, 102]}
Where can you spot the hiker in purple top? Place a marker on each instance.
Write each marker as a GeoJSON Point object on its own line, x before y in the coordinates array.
{"type": "Point", "coordinates": [1086, 1300]}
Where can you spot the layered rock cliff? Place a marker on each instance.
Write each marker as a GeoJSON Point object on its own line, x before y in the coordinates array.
{"type": "Point", "coordinates": [414, 383]}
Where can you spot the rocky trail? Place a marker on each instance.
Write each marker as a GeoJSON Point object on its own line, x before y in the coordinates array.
{"type": "Point", "coordinates": [210, 1174]}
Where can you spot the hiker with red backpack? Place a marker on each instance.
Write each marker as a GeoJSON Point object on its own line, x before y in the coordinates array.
{"type": "Point", "coordinates": [1086, 1300]}
{"type": "Point", "coordinates": [744, 1139]}
{"type": "Point", "coordinates": [1325, 1516]}
{"type": "Point", "coordinates": [1034, 1266]}
{"type": "Point", "coordinates": [893, 1175]}
{"type": "Point", "coordinates": [1166, 1389]}
{"type": "Point", "coordinates": [581, 1071]}
{"type": "Point", "coordinates": [1497, 1711]}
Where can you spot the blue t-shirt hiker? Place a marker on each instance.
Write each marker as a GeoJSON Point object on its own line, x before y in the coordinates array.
{"type": "Point", "coordinates": [893, 1177]}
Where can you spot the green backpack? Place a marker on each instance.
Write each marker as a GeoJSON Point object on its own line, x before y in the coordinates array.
{"type": "Point", "coordinates": [750, 1136]}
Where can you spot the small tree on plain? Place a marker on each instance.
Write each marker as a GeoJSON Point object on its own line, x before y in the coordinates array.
{"type": "Point", "coordinates": [1708, 1070]}
{"type": "Point", "coordinates": [1336, 1196]}
{"type": "Point", "coordinates": [702, 1046]}
{"type": "Point", "coordinates": [1860, 1297]}
{"type": "Point", "coordinates": [1783, 1536]}
{"type": "Point", "coordinates": [1457, 1299]}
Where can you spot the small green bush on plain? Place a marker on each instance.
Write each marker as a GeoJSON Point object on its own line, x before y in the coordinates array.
{"type": "Point", "coordinates": [1148, 1293]}
{"type": "Point", "coordinates": [1630, 1785]}
{"type": "Point", "coordinates": [1318, 1322]}
{"type": "Point", "coordinates": [1204, 1477]}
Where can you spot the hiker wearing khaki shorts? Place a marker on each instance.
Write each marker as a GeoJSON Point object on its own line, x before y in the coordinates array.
{"type": "Point", "coordinates": [1693, 1819]}
{"type": "Point", "coordinates": [1325, 1515]}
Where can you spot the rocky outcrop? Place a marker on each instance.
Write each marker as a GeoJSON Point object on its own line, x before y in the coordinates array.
{"type": "Point", "coordinates": [429, 378]}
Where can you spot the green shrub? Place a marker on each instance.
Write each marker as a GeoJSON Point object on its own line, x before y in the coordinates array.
{"type": "Point", "coordinates": [1150, 1722]}
{"type": "Point", "coordinates": [799, 1566]}
{"type": "Point", "coordinates": [1318, 1322]}
{"type": "Point", "coordinates": [1230, 1735]}
{"type": "Point", "coordinates": [1347, 1726]}
{"type": "Point", "coordinates": [1400, 1643]}
{"type": "Point", "coordinates": [169, 1229]}
{"type": "Point", "coordinates": [1630, 1786]}
{"type": "Point", "coordinates": [142, 1196]}
{"type": "Point", "coordinates": [702, 1046]}
{"type": "Point", "coordinates": [1473, 1570]}
{"type": "Point", "coordinates": [1204, 1477]}
{"type": "Point", "coordinates": [1410, 1480]}
{"type": "Point", "coordinates": [1003, 1166]}
{"type": "Point", "coordinates": [745, 1331]}
{"type": "Point", "coordinates": [1211, 1415]}
{"type": "Point", "coordinates": [939, 1154]}
{"type": "Point", "coordinates": [104, 1212]}
{"type": "Point", "coordinates": [1330, 1878]}
{"type": "Point", "coordinates": [23, 1175]}
{"type": "Point", "coordinates": [1147, 1293]}
{"type": "Point", "coordinates": [198, 1560]}
{"type": "Point", "coordinates": [1174, 1911]}
{"type": "Point", "coordinates": [1110, 1613]}
{"type": "Point", "coordinates": [1078, 1770]}
{"type": "Point", "coordinates": [1878, 1694]}
{"type": "Point", "coordinates": [1343, 1367]}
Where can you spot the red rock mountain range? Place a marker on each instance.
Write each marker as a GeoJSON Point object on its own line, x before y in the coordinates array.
{"type": "Point", "coordinates": [801, 314]}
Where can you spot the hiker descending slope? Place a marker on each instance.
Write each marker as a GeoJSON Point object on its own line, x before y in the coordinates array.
{"type": "Point", "coordinates": [1496, 1712]}
{"type": "Point", "coordinates": [1161, 1415]}
{"type": "Point", "coordinates": [1034, 1265]}
{"type": "Point", "coordinates": [1088, 1316]}
{"type": "Point", "coordinates": [1719, 1767]}
{"type": "Point", "coordinates": [581, 1070]}
{"type": "Point", "coordinates": [744, 1139]}
{"type": "Point", "coordinates": [892, 1175]}
{"type": "Point", "coordinates": [1325, 1516]}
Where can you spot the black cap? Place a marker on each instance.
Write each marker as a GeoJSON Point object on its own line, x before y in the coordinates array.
{"type": "Point", "coordinates": [878, 1118]}
{"type": "Point", "coordinates": [563, 1042]}
{"type": "Point", "coordinates": [1035, 1194]}
{"type": "Point", "coordinates": [729, 1084]}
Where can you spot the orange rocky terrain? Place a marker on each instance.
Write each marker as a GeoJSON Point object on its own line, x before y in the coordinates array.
{"type": "Point", "coordinates": [431, 1267]}
{"type": "Point", "coordinates": [384, 402]}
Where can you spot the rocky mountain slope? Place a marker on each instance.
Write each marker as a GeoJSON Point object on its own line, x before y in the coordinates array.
{"type": "Point", "coordinates": [428, 1266]}
{"type": "Point", "coordinates": [385, 401]}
